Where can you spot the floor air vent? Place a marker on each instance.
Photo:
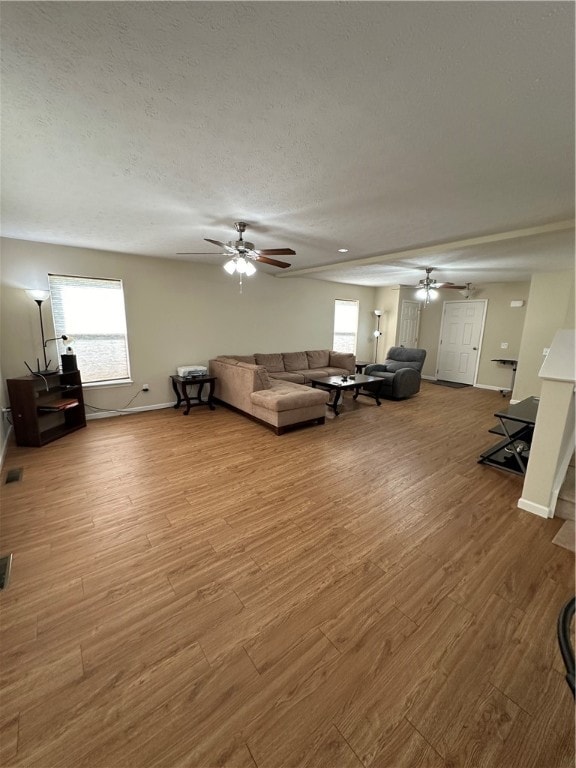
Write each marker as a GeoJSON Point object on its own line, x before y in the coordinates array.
{"type": "Point", "coordinates": [13, 475]}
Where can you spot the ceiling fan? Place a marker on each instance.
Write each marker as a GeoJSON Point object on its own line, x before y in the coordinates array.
{"type": "Point", "coordinates": [428, 287]}
{"type": "Point", "coordinates": [242, 253]}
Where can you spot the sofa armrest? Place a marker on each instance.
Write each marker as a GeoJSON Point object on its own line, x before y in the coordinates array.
{"type": "Point", "coordinates": [370, 370]}
{"type": "Point", "coordinates": [236, 381]}
{"type": "Point", "coordinates": [406, 382]}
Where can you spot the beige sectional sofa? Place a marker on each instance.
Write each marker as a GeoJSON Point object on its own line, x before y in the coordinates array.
{"type": "Point", "coordinates": [271, 388]}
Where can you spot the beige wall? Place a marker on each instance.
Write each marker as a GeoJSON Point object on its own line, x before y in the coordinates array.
{"type": "Point", "coordinates": [550, 307]}
{"type": "Point", "coordinates": [502, 324]}
{"type": "Point", "coordinates": [4, 424]}
{"type": "Point", "coordinates": [430, 322]}
{"type": "Point", "coordinates": [177, 313]}
{"type": "Point", "coordinates": [388, 300]}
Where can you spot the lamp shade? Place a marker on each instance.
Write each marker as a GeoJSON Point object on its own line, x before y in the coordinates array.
{"type": "Point", "coordinates": [230, 266]}
{"type": "Point", "coordinates": [37, 294]}
{"type": "Point", "coordinates": [250, 268]}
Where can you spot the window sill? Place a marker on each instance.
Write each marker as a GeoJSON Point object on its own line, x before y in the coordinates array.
{"type": "Point", "coordinates": [97, 384]}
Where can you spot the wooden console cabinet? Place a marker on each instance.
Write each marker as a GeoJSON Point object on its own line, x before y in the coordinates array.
{"type": "Point", "coordinates": [47, 407]}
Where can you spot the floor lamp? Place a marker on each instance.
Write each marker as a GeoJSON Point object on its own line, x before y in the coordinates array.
{"type": "Point", "coordinates": [377, 333]}
{"type": "Point", "coordinates": [39, 297]}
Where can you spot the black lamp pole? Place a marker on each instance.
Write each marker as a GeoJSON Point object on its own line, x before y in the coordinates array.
{"type": "Point", "coordinates": [39, 302]}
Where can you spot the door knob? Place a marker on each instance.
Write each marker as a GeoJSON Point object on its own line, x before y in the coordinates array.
{"type": "Point", "coordinates": [476, 348]}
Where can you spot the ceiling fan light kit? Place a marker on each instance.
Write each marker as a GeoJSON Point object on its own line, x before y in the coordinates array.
{"type": "Point", "coordinates": [426, 294]}
{"type": "Point", "coordinates": [242, 254]}
{"type": "Point", "coordinates": [427, 288]}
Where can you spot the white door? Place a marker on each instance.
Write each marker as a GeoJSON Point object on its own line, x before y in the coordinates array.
{"type": "Point", "coordinates": [460, 337]}
{"type": "Point", "coordinates": [409, 324]}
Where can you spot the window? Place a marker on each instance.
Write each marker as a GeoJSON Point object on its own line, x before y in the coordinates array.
{"type": "Point", "coordinates": [91, 311]}
{"type": "Point", "coordinates": [345, 326]}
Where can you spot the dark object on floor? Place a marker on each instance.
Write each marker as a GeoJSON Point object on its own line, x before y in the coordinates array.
{"type": "Point", "coordinates": [564, 621]}
{"type": "Point", "coordinates": [13, 475]}
{"type": "Point", "coordinates": [5, 566]}
{"type": "Point", "coordinates": [453, 384]}
{"type": "Point", "coordinates": [400, 373]}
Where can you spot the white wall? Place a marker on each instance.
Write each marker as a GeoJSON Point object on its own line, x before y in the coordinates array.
{"type": "Point", "coordinates": [177, 313]}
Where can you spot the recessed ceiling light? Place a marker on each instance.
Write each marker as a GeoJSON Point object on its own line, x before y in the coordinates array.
{"type": "Point", "coordinates": [342, 250]}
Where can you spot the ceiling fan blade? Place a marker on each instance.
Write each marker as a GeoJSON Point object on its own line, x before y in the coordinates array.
{"type": "Point", "coordinates": [455, 287]}
{"type": "Point", "coordinates": [273, 262]}
{"type": "Point", "coordinates": [216, 242]}
{"type": "Point", "coordinates": [199, 253]}
{"type": "Point", "coordinates": [275, 252]}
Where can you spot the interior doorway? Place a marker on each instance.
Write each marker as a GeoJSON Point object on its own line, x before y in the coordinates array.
{"type": "Point", "coordinates": [460, 340]}
{"type": "Point", "coordinates": [409, 324]}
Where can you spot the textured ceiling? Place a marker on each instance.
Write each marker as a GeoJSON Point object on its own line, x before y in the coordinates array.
{"type": "Point", "coordinates": [378, 127]}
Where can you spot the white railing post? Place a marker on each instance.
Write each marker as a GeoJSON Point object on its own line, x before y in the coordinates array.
{"type": "Point", "coordinates": [553, 441]}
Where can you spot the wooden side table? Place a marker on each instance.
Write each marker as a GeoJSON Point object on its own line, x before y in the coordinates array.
{"type": "Point", "coordinates": [182, 395]}
{"type": "Point", "coordinates": [360, 367]}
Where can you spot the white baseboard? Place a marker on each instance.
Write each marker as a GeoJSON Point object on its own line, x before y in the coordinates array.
{"type": "Point", "coordinates": [489, 386]}
{"type": "Point", "coordinates": [5, 447]}
{"type": "Point", "coordinates": [429, 378]}
{"type": "Point", "coordinates": [125, 411]}
{"type": "Point", "coordinates": [536, 509]}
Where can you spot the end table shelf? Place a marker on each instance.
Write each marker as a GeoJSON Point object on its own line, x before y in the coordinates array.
{"type": "Point", "coordinates": [517, 425]}
{"type": "Point", "coordinates": [182, 394]}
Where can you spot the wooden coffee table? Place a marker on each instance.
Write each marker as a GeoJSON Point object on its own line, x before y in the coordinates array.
{"type": "Point", "coordinates": [339, 384]}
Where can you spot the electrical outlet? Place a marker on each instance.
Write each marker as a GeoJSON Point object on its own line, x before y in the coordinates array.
{"type": "Point", "coordinates": [145, 388]}
{"type": "Point", "coordinates": [503, 345]}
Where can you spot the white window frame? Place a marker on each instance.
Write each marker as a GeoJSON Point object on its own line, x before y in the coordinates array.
{"type": "Point", "coordinates": [83, 342]}
{"type": "Point", "coordinates": [339, 335]}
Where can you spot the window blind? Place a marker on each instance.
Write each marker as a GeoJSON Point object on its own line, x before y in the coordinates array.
{"type": "Point", "coordinates": [345, 325]}
{"type": "Point", "coordinates": [91, 311]}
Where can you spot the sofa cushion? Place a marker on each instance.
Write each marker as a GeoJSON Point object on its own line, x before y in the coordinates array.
{"type": "Point", "coordinates": [406, 354]}
{"type": "Point", "coordinates": [344, 360]}
{"type": "Point", "coordinates": [319, 373]}
{"type": "Point", "coordinates": [318, 358]}
{"type": "Point", "coordinates": [245, 358]}
{"type": "Point", "coordinates": [295, 361]}
{"type": "Point", "coordinates": [273, 362]}
{"type": "Point", "coordinates": [297, 377]}
{"type": "Point", "coordinates": [395, 365]}
{"type": "Point", "coordinates": [336, 371]}
{"type": "Point", "coordinates": [285, 397]}
{"type": "Point", "coordinates": [262, 378]}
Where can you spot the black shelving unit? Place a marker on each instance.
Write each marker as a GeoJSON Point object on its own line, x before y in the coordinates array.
{"type": "Point", "coordinates": [517, 425]}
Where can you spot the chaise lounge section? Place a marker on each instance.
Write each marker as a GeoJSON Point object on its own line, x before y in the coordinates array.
{"type": "Point", "coordinates": [279, 404]}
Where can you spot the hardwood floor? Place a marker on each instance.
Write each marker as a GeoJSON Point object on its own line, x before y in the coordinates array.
{"type": "Point", "coordinates": [196, 591]}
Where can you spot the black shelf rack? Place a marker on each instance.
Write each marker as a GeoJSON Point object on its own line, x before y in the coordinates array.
{"type": "Point", "coordinates": [517, 425]}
